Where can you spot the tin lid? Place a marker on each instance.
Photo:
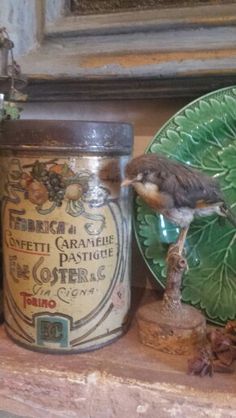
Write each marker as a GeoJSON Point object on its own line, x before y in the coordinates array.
{"type": "Point", "coordinates": [67, 135]}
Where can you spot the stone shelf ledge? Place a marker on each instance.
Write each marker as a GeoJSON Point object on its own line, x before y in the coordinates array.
{"type": "Point", "coordinates": [124, 379]}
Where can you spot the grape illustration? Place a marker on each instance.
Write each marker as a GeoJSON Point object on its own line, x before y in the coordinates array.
{"type": "Point", "coordinates": [51, 180]}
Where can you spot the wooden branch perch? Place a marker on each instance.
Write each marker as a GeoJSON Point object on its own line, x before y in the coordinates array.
{"type": "Point", "coordinates": [176, 266]}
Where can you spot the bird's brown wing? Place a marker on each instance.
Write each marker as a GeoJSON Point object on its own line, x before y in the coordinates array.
{"type": "Point", "coordinates": [187, 187]}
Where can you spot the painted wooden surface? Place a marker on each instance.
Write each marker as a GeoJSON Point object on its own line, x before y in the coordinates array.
{"type": "Point", "coordinates": [144, 20]}
{"type": "Point", "coordinates": [125, 379]}
{"type": "Point", "coordinates": [172, 51]}
{"type": "Point", "coordinates": [111, 6]}
{"type": "Point", "coordinates": [142, 54]}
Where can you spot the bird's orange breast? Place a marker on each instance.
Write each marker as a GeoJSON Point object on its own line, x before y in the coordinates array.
{"type": "Point", "coordinates": [155, 199]}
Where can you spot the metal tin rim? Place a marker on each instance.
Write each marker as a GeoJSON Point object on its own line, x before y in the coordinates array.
{"type": "Point", "coordinates": [67, 135]}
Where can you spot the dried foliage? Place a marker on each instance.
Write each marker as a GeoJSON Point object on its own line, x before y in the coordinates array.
{"type": "Point", "coordinates": [218, 355]}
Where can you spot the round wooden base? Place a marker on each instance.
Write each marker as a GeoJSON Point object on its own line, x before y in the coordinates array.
{"type": "Point", "coordinates": [179, 333]}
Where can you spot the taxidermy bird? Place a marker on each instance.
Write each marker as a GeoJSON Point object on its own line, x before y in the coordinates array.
{"type": "Point", "coordinates": [176, 191]}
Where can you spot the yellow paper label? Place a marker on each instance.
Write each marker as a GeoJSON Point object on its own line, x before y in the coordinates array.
{"type": "Point", "coordinates": [66, 253]}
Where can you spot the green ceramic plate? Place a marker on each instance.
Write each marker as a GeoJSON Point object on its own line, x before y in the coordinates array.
{"type": "Point", "coordinates": [203, 135]}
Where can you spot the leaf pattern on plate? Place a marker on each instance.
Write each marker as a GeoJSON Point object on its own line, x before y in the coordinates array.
{"type": "Point", "coordinates": [203, 135]}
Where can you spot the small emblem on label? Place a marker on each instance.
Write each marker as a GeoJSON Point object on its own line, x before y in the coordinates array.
{"type": "Point", "coordinates": [52, 330]}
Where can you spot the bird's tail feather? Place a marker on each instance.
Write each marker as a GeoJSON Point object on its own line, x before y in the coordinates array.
{"type": "Point", "coordinates": [229, 214]}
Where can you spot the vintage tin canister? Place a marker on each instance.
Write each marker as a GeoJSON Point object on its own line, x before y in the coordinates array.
{"type": "Point", "coordinates": [66, 233]}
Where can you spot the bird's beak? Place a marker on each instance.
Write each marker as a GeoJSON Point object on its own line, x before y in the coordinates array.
{"type": "Point", "coordinates": [126, 182]}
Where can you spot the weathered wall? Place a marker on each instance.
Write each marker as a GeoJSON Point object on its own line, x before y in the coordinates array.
{"type": "Point", "coordinates": [22, 26]}
{"type": "Point", "coordinates": [54, 9]}
{"type": "Point", "coordinates": [25, 20]}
